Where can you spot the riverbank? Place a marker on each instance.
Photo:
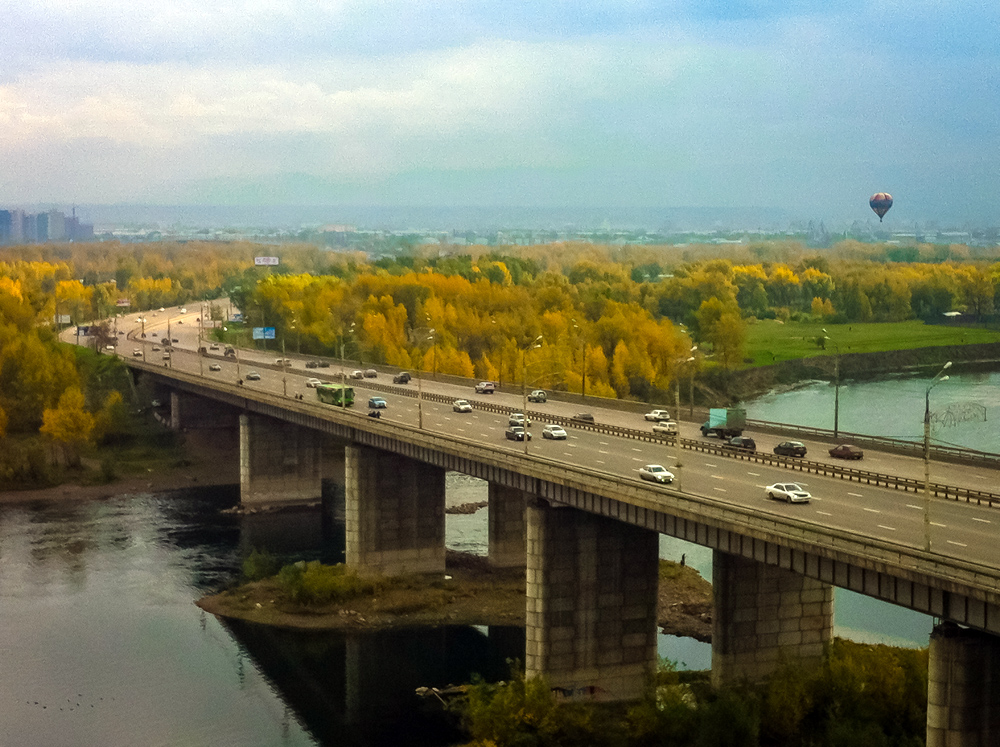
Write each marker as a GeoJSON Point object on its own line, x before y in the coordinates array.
{"type": "Point", "coordinates": [203, 462]}
{"type": "Point", "coordinates": [471, 593]}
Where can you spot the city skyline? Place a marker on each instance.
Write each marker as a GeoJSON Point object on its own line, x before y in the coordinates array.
{"type": "Point", "coordinates": [807, 109]}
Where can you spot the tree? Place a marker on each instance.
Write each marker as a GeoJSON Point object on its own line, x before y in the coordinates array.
{"type": "Point", "coordinates": [69, 425]}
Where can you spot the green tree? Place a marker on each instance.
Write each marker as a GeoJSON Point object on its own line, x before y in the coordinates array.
{"type": "Point", "coordinates": [68, 425]}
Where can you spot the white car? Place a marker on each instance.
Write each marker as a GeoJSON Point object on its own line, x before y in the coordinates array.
{"type": "Point", "coordinates": [517, 418]}
{"type": "Point", "coordinates": [787, 491]}
{"type": "Point", "coordinates": [313, 383]}
{"type": "Point", "coordinates": [657, 415]}
{"type": "Point", "coordinates": [215, 367]}
{"type": "Point", "coordinates": [666, 428]}
{"type": "Point", "coordinates": [656, 473]}
{"type": "Point", "coordinates": [137, 352]}
{"type": "Point", "coordinates": [357, 374]}
{"type": "Point", "coordinates": [461, 405]}
{"type": "Point", "coordinates": [553, 431]}
{"type": "Point", "coordinates": [184, 311]}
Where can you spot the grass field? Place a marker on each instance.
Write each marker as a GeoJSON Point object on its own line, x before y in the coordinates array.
{"type": "Point", "coordinates": [770, 341]}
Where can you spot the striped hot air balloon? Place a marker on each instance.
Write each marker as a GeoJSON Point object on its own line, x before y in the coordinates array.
{"type": "Point", "coordinates": [880, 202]}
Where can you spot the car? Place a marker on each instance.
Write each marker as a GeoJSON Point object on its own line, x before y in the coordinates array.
{"type": "Point", "coordinates": [657, 415]}
{"type": "Point", "coordinates": [787, 491]}
{"type": "Point", "coordinates": [740, 443]}
{"type": "Point", "coordinates": [214, 346]}
{"type": "Point", "coordinates": [403, 377]}
{"type": "Point", "coordinates": [371, 373]}
{"type": "Point", "coordinates": [846, 451]}
{"type": "Point", "coordinates": [485, 387]}
{"type": "Point", "coordinates": [175, 340]}
{"type": "Point", "coordinates": [583, 417]}
{"type": "Point", "coordinates": [286, 362]}
{"type": "Point", "coordinates": [137, 352]}
{"type": "Point", "coordinates": [253, 376]}
{"type": "Point", "coordinates": [791, 449]}
{"type": "Point", "coordinates": [312, 364]}
{"type": "Point", "coordinates": [215, 367]}
{"type": "Point", "coordinates": [229, 352]}
{"type": "Point", "coordinates": [156, 348]}
{"type": "Point", "coordinates": [152, 334]}
{"type": "Point", "coordinates": [324, 364]}
{"type": "Point", "coordinates": [516, 433]}
{"type": "Point", "coordinates": [538, 395]}
{"type": "Point", "coordinates": [666, 428]}
{"type": "Point", "coordinates": [460, 405]}
{"type": "Point", "coordinates": [184, 311]}
{"type": "Point", "coordinates": [377, 403]}
{"type": "Point", "coordinates": [656, 473]}
{"type": "Point", "coordinates": [553, 431]}
{"type": "Point", "coordinates": [166, 356]}
{"type": "Point", "coordinates": [312, 383]}
{"type": "Point", "coordinates": [162, 309]}
{"type": "Point", "coordinates": [517, 418]}
{"type": "Point", "coordinates": [357, 374]}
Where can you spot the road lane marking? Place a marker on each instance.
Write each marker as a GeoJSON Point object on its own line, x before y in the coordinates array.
{"type": "Point", "coordinates": [960, 544]}
{"type": "Point", "coordinates": [824, 513]}
{"type": "Point", "coordinates": [602, 451]}
{"type": "Point", "coordinates": [857, 495]}
{"type": "Point", "coordinates": [721, 490]}
{"type": "Point", "coordinates": [635, 449]}
{"type": "Point", "coordinates": [754, 474]}
{"type": "Point", "coordinates": [873, 510]}
{"type": "Point", "coordinates": [910, 505]}
{"type": "Point", "coordinates": [604, 443]}
{"type": "Point", "coordinates": [883, 526]}
{"type": "Point", "coordinates": [717, 477]}
{"type": "Point", "coordinates": [983, 521]}
{"type": "Point", "coordinates": [600, 461]}
{"type": "Point", "coordinates": [709, 464]}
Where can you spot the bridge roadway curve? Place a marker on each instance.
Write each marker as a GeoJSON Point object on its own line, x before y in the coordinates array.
{"type": "Point", "coordinates": [958, 530]}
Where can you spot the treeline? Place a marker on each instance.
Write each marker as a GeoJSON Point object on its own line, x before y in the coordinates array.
{"type": "Point", "coordinates": [874, 696]}
{"type": "Point", "coordinates": [611, 321]}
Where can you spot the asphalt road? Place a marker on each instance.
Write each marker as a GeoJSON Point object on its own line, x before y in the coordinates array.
{"type": "Point", "coordinates": [959, 530]}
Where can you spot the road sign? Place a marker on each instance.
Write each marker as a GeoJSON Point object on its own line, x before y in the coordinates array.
{"type": "Point", "coordinates": [263, 333]}
{"type": "Point", "coordinates": [265, 260]}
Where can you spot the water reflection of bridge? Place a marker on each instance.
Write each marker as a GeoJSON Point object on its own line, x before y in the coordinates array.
{"type": "Point", "coordinates": [359, 688]}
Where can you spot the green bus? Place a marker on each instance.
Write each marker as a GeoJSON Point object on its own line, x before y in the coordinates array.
{"type": "Point", "coordinates": [335, 394]}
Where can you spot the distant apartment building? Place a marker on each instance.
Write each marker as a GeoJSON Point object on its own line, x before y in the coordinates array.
{"type": "Point", "coordinates": [18, 227]}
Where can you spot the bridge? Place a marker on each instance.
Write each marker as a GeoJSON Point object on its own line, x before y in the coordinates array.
{"type": "Point", "coordinates": [587, 533]}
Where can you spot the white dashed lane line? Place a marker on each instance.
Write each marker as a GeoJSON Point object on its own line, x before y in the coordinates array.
{"type": "Point", "coordinates": [856, 495]}
{"type": "Point", "coordinates": [960, 544]}
{"type": "Point", "coordinates": [824, 513]}
{"type": "Point", "coordinates": [982, 521]}
{"type": "Point", "coordinates": [754, 474]}
{"type": "Point", "coordinates": [883, 526]}
{"type": "Point", "coordinates": [720, 490]}
{"type": "Point", "coordinates": [935, 524]}
{"type": "Point", "coordinates": [873, 510]}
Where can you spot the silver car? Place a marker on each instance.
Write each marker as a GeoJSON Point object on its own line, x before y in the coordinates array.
{"type": "Point", "coordinates": [517, 418]}
{"type": "Point", "coordinates": [460, 405]}
{"type": "Point", "coordinates": [656, 473]}
{"type": "Point", "coordinates": [553, 431]}
{"type": "Point", "coordinates": [787, 491]}
{"type": "Point", "coordinates": [312, 383]}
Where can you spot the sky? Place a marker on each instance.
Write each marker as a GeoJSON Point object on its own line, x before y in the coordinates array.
{"type": "Point", "coordinates": [806, 105]}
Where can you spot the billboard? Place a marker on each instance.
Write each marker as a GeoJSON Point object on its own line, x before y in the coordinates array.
{"type": "Point", "coordinates": [263, 333]}
{"type": "Point", "coordinates": [123, 302]}
{"type": "Point", "coordinates": [265, 260]}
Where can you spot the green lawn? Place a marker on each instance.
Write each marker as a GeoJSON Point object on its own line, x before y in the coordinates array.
{"type": "Point", "coordinates": [769, 340]}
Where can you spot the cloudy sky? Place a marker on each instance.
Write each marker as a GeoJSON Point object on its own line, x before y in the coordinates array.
{"type": "Point", "coordinates": [807, 104]}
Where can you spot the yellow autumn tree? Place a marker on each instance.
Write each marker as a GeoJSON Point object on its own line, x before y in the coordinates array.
{"type": "Point", "coordinates": [68, 425]}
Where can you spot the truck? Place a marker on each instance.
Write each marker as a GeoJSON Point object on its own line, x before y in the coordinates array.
{"type": "Point", "coordinates": [335, 394]}
{"type": "Point", "coordinates": [725, 422]}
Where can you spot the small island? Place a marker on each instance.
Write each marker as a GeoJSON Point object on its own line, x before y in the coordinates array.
{"type": "Point", "coordinates": [471, 592]}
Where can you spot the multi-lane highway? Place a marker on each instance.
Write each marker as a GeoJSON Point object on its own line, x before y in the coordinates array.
{"type": "Point", "coordinates": [960, 530]}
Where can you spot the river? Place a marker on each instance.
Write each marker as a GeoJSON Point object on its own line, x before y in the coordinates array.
{"type": "Point", "coordinates": [102, 643]}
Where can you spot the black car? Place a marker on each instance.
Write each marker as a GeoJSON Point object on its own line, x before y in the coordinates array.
{"type": "Point", "coordinates": [312, 364]}
{"type": "Point", "coordinates": [516, 433]}
{"type": "Point", "coordinates": [583, 417]}
{"type": "Point", "coordinates": [791, 449]}
{"type": "Point", "coordinates": [403, 377]}
{"type": "Point", "coordinates": [741, 443]}
{"type": "Point", "coordinates": [324, 364]}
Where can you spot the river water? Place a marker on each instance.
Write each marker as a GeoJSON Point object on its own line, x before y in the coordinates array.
{"type": "Point", "coordinates": [101, 643]}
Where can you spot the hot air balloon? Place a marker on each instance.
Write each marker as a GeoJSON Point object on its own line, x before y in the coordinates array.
{"type": "Point", "coordinates": [880, 202]}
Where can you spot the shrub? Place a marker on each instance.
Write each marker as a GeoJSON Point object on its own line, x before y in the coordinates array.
{"type": "Point", "coordinates": [260, 564]}
{"type": "Point", "coordinates": [314, 583]}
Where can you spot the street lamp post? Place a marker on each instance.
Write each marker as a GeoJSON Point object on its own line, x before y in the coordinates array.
{"type": "Point", "coordinates": [836, 391]}
{"type": "Point", "coordinates": [583, 361]}
{"type": "Point", "coordinates": [536, 343]}
{"type": "Point", "coordinates": [343, 371]}
{"type": "Point", "coordinates": [677, 416]}
{"type": "Point", "coordinates": [927, 453]}
{"type": "Point", "coordinates": [420, 385]}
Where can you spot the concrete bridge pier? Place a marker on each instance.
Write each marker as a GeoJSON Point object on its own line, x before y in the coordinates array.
{"type": "Point", "coordinates": [280, 463]}
{"type": "Point", "coordinates": [394, 518]}
{"type": "Point", "coordinates": [963, 688]}
{"type": "Point", "coordinates": [507, 529]}
{"type": "Point", "coordinates": [763, 616]}
{"type": "Point", "coordinates": [592, 587]}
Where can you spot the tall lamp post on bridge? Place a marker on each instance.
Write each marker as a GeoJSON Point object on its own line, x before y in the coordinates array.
{"type": "Point", "coordinates": [927, 453]}
{"type": "Point", "coordinates": [343, 371]}
{"type": "Point", "coordinates": [677, 416]}
{"type": "Point", "coordinates": [583, 361]}
{"type": "Point", "coordinates": [420, 383]}
{"type": "Point", "coordinates": [536, 343]}
{"type": "Point", "coordinates": [836, 391]}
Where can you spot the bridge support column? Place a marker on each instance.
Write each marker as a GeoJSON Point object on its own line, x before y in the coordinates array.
{"type": "Point", "coordinates": [591, 603]}
{"type": "Point", "coordinates": [507, 526]}
{"type": "Point", "coordinates": [395, 512]}
{"type": "Point", "coordinates": [280, 463]}
{"type": "Point", "coordinates": [963, 688]}
{"type": "Point", "coordinates": [764, 615]}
